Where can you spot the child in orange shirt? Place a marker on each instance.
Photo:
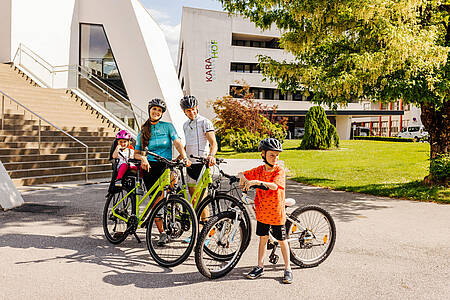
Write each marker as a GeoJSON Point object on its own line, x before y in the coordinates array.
{"type": "Point", "coordinates": [269, 205]}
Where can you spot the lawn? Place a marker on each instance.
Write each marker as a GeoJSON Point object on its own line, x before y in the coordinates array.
{"type": "Point", "coordinates": [379, 168]}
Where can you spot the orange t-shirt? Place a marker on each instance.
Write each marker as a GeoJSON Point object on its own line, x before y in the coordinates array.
{"type": "Point", "coordinates": [269, 205]}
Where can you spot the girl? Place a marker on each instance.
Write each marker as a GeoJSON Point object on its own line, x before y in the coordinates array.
{"type": "Point", "coordinates": [123, 152]}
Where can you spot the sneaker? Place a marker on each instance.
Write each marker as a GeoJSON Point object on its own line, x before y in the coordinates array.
{"type": "Point", "coordinates": [255, 273]}
{"type": "Point", "coordinates": [118, 183]}
{"type": "Point", "coordinates": [288, 277]}
{"type": "Point", "coordinates": [187, 240]}
{"type": "Point", "coordinates": [163, 239]}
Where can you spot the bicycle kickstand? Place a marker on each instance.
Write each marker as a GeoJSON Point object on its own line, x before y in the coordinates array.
{"type": "Point", "coordinates": [137, 238]}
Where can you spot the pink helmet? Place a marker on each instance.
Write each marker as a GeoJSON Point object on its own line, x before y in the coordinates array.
{"type": "Point", "coordinates": [123, 135]}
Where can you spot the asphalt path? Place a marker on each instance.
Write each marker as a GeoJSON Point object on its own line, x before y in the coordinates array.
{"type": "Point", "coordinates": [53, 247]}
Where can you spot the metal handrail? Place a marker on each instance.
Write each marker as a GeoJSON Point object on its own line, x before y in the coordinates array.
{"type": "Point", "coordinates": [105, 90]}
{"type": "Point", "coordinates": [68, 68]}
{"type": "Point", "coordinates": [40, 120]}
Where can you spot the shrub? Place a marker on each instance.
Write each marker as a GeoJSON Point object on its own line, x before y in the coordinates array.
{"type": "Point", "coordinates": [243, 140]}
{"type": "Point", "coordinates": [243, 122]}
{"type": "Point", "coordinates": [440, 168]}
{"type": "Point", "coordinates": [273, 130]}
{"type": "Point", "coordinates": [319, 132]}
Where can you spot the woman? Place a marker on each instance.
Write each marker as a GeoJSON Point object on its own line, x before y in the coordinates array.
{"type": "Point", "coordinates": [157, 136]}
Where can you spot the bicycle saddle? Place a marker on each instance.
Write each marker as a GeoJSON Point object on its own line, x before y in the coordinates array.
{"type": "Point", "coordinates": [289, 202]}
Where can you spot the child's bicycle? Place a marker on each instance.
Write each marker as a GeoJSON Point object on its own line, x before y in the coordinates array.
{"type": "Point", "coordinates": [311, 235]}
{"type": "Point", "coordinates": [173, 215]}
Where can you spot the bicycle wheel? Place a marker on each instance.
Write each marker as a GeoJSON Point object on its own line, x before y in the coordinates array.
{"type": "Point", "coordinates": [221, 202]}
{"type": "Point", "coordinates": [115, 228]}
{"type": "Point", "coordinates": [181, 231]}
{"type": "Point", "coordinates": [221, 234]}
{"type": "Point", "coordinates": [311, 236]}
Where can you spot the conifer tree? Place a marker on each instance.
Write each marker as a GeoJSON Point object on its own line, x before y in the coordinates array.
{"type": "Point", "coordinates": [319, 132]}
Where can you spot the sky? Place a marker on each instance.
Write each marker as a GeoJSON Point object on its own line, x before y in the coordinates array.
{"type": "Point", "coordinates": [168, 15]}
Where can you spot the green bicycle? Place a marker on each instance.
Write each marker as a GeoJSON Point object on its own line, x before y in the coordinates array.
{"type": "Point", "coordinates": [173, 215]}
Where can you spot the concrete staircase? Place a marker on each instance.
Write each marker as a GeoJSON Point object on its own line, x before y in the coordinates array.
{"type": "Point", "coordinates": [59, 158]}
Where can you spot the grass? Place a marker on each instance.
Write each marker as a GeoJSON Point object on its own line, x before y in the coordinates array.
{"type": "Point", "coordinates": [389, 169]}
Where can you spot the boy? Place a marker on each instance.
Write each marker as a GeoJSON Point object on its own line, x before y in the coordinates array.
{"type": "Point", "coordinates": [269, 205]}
{"type": "Point", "coordinates": [199, 132]}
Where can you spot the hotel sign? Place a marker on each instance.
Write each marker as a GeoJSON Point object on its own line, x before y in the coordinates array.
{"type": "Point", "coordinates": [210, 61]}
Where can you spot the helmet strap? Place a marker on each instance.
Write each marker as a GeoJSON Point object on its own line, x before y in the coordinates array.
{"type": "Point", "coordinates": [265, 160]}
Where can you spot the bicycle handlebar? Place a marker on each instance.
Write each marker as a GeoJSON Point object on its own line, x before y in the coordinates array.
{"type": "Point", "coordinates": [171, 163]}
{"type": "Point", "coordinates": [205, 161]}
{"type": "Point", "coordinates": [232, 178]}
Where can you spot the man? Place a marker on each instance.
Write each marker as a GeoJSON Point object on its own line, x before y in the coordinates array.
{"type": "Point", "coordinates": [199, 132]}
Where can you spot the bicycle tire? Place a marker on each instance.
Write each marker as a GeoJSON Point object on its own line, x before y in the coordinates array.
{"type": "Point", "coordinates": [227, 202]}
{"type": "Point", "coordinates": [115, 235]}
{"type": "Point", "coordinates": [185, 218]}
{"type": "Point", "coordinates": [313, 234]}
{"type": "Point", "coordinates": [215, 225]}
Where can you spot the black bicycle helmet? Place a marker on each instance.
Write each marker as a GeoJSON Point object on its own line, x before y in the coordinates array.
{"type": "Point", "coordinates": [157, 102]}
{"type": "Point", "coordinates": [270, 144]}
{"type": "Point", "coordinates": [188, 102]}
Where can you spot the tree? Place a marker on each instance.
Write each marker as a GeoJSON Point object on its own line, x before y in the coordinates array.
{"type": "Point", "coordinates": [378, 50]}
{"type": "Point", "coordinates": [243, 122]}
{"type": "Point", "coordinates": [319, 132]}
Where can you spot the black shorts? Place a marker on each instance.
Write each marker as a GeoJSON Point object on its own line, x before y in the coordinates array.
{"type": "Point", "coordinates": [156, 170]}
{"type": "Point", "coordinates": [278, 231]}
{"type": "Point", "coordinates": [194, 171]}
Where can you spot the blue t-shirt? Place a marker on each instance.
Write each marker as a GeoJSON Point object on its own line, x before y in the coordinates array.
{"type": "Point", "coordinates": [163, 134]}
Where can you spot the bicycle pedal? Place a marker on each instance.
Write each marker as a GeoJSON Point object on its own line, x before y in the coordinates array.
{"type": "Point", "coordinates": [273, 259]}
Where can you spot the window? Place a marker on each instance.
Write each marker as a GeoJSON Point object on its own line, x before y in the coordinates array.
{"type": "Point", "coordinates": [268, 94]}
{"type": "Point", "coordinates": [245, 67]}
{"type": "Point", "coordinates": [257, 42]}
{"type": "Point", "coordinates": [261, 93]}
{"type": "Point", "coordinates": [97, 56]}
{"type": "Point", "coordinates": [413, 129]}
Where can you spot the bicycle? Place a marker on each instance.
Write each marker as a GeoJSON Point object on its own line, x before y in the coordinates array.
{"type": "Point", "coordinates": [122, 215]}
{"type": "Point", "coordinates": [216, 201]}
{"type": "Point", "coordinates": [311, 233]}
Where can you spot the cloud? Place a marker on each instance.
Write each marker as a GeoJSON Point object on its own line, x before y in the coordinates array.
{"type": "Point", "coordinates": [158, 15]}
{"type": "Point", "coordinates": [171, 32]}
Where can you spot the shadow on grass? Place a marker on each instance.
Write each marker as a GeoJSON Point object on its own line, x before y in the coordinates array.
{"type": "Point", "coordinates": [313, 181]}
{"type": "Point", "coordinates": [414, 190]}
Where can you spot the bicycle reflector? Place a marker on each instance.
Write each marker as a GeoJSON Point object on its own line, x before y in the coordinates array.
{"type": "Point", "coordinates": [325, 239]}
{"type": "Point", "coordinates": [294, 228]}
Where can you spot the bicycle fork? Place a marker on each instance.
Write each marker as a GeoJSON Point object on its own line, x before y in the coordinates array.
{"type": "Point", "coordinates": [233, 230]}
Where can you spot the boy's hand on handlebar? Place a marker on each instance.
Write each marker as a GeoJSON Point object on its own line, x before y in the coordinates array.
{"type": "Point", "coordinates": [251, 183]}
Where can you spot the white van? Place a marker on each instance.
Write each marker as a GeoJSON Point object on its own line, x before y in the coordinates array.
{"type": "Point", "coordinates": [416, 132]}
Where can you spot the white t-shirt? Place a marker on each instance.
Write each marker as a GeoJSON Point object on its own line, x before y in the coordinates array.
{"type": "Point", "coordinates": [125, 155]}
{"type": "Point", "coordinates": [195, 133]}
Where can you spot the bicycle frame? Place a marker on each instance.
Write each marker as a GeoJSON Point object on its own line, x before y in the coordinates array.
{"type": "Point", "coordinates": [159, 186]}
{"type": "Point", "coordinates": [203, 182]}
{"type": "Point", "coordinates": [238, 218]}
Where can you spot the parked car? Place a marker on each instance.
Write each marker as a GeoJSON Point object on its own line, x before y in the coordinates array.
{"type": "Point", "coordinates": [416, 132]}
